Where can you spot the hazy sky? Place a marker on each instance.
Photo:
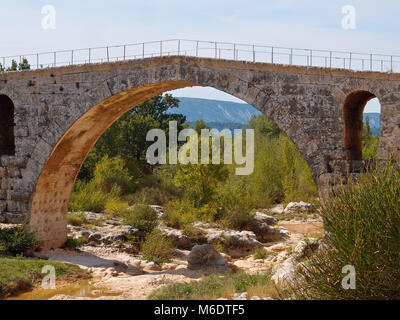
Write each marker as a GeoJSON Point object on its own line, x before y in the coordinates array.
{"type": "Point", "coordinates": [288, 23]}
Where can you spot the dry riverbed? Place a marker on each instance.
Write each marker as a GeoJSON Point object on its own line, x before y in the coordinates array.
{"type": "Point", "coordinates": [121, 275]}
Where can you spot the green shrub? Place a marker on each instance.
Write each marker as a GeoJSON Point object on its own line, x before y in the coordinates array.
{"type": "Point", "coordinates": [236, 202]}
{"type": "Point", "coordinates": [110, 172]}
{"type": "Point", "coordinates": [73, 244]}
{"type": "Point", "coordinates": [362, 221]}
{"type": "Point", "coordinates": [180, 213]}
{"type": "Point", "coordinates": [116, 207]}
{"type": "Point", "coordinates": [141, 217]}
{"type": "Point", "coordinates": [87, 198]}
{"type": "Point", "coordinates": [18, 240]}
{"type": "Point", "coordinates": [76, 219]}
{"type": "Point", "coordinates": [214, 287]}
{"type": "Point", "coordinates": [260, 253]}
{"type": "Point", "coordinates": [157, 247]}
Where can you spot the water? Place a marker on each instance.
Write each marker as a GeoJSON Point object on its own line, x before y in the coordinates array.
{"type": "Point", "coordinates": [80, 290]}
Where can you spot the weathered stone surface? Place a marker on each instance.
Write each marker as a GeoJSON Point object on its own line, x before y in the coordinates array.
{"type": "Point", "coordinates": [205, 256]}
{"type": "Point", "coordinates": [317, 108]}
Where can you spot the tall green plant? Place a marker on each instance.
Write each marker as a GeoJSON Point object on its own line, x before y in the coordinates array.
{"type": "Point", "coordinates": [362, 221]}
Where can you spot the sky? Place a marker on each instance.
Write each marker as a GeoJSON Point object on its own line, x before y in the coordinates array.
{"type": "Point", "coordinates": [286, 23]}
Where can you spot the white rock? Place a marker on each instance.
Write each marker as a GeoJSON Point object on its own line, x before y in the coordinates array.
{"type": "Point", "coordinates": [299, 207]}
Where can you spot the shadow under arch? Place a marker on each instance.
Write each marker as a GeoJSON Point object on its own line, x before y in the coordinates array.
{"type": "Point", "coordinates": [7, 140]}
{"type": "Point", "coordinates": [49, 203]}
{"type": "Point", "coordinates": [353, 109]}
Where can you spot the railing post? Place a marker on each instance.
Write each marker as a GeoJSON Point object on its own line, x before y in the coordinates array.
{"type": "Point", "coordinates": [197, 48]}
{"type": "Point", "coordinates": [330, 59]}
{"type": "Point", "coordinates": [143, 50]}
{"type": "Point", "coordinates": [254, 54]}
{"type": "Point", "coordinates": [37, 60]}
{"type": "Point", "coordinates": [234, 51]}
{"type": "Point", "coordinates": [391, 63]}
{"type": "Point", "coordinates": [108, 55]}
{"type": "Point", "coordinates": [161, 48]}
{"type": "Point", "coordinates": [350, 61]}
{"type": "Point", "coordinates": [179, 47]}
{"type": "Point", "coordinates": [216, 50]}
{"type": "Point", "coordinates": [370, 63]}
{"type": "Point", "coordinates": [272, 54]}
{"type": "Point", "coordinates": [90, 54]}
{"type": "Point", "coordinates": [362, 64]}
{"type": "Point", "coordinates": [55, 58]}
{"type": "Point", "coordinates": [124, 52]}
{"type": "Point", "coordinates": [310, 58]}
{"type": "Point", "coordinates": [381, 65]}
{"type": "Point", "coordinates": [72, 57]}
{"type": "Point", "coordinates": [291, 56]}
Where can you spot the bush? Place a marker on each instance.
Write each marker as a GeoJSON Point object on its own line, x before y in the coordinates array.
{"type": "Point", "coordinates": [157, 247]}
{"type": "Point", "coordinates": [236, 202]}
{"type": "Point", "coordinates": [73, 244]}
{"type": "Point", "coordinates": [116, 207]}
{"type": "Point", "coordinates": [87, 198]}
{"type": "Point", "coordinates": [141, 217]}
{"type": "Point", "coordinates": [180, 213]}
{"type": "Point", "coordinates": [17, 240]}
{"type": "Point", "coordinates": [76, 219]}
{"type": "Point", "coordinates": [110, 172]}
{"type": "Point", "coordinates": [362, 221]}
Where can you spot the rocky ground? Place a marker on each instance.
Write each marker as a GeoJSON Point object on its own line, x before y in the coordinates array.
{"type": "Point", "coordinates": [118, 269]}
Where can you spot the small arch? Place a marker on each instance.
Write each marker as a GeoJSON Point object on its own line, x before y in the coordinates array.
{"type": "Point", "coordinates": [353, 109]}
{"type": "Point", "coordinates": [7, 141]}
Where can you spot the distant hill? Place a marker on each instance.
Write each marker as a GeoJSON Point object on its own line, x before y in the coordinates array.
{"type": "Point", "coordinates": [225, 114]}
{"type": "Point", "coordinates": [215, 111]}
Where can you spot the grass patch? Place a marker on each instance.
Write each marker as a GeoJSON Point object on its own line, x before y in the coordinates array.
{"type": "Point", "coordinates": [77, 219]}
{"type": "Point", "coordinates": [260, 253]}
{"type": "Point", "coordinates": [19, 275]}
{"type": "Point", "coordinates": [214, 287]}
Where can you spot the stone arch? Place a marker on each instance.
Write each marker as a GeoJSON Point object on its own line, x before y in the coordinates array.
{"type": "Point", "coordinates": [7, 141]}
{"type": "Point", "coordinates": [63, 147]}
{"type": "Point", "coordinates": [353, 109]}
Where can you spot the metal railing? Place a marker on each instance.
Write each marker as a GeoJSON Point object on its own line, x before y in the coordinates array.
{"type": "Point", "coordinates": [209, 49]}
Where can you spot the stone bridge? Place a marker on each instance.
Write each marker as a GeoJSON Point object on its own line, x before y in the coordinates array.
{"type": "Point", "coordinates": [51, 118]}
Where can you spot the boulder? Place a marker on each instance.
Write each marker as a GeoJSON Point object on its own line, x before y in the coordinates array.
{"type": "Point", "coordinates": [205, 256]}
{"type": "Point", "coordinates": [261, 225]}
{"type": "Point", "coordinates": [301, 206]}
{"type": "Point", "coordinates": [285, 273]}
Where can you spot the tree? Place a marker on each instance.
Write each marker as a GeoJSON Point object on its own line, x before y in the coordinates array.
{"type": "Point", "coordinates": [13, 67]}
{"type": "Point", "coordinates": [126, 138]}
{"type": "Point", "coordinates": [24, 65]}
{"type": "Point", "coordinates": [370, 142]}
{"type": "Point", "coordinates": [199, 182]}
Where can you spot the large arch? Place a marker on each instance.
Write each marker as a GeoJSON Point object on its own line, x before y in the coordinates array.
{"type": "Point", "coordinates": [56, 178]}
